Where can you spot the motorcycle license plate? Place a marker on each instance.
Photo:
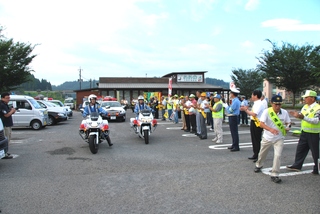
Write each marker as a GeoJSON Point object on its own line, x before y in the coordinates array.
{"type": "Point", "coordinates": [113, 117]}
{"type": "Point", "coordinates": [2, 154]}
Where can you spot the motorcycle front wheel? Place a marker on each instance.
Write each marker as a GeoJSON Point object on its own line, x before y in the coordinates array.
{"type": "Point", "coordinates": [92, 144]}
{"type": "Point", "coordinates": [146, 136]}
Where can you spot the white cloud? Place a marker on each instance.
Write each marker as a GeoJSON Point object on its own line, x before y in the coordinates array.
{"type": "Point", "coordinates": [247, 44]}
{"type": "Point", "coordinates": [252, 5]}
{"type": "Point", "coordinates": [290, 25]}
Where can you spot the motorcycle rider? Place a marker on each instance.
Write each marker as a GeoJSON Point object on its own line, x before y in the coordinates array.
{"type": "Point", "coordinates": [93, 106]}
{"type": "Point", "coordinates": [140, 105]}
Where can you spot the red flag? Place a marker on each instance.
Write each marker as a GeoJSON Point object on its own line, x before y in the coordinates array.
{"type": "Point", "coordinates": [170, 87]}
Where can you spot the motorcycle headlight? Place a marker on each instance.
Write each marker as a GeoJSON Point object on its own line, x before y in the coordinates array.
{"type": "Point", "coordinates": [94, 124]}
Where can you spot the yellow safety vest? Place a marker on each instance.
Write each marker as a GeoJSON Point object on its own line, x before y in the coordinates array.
{"type": "Point", "coordinates": [308, 127]}
{"type": "Point", "coordinates": [218, 114]}
{"type": "Point", "coordinates": [169, 106]}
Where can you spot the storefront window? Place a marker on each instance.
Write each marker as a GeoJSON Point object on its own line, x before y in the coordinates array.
{"type": "Point", "coordinates": [126, 95]}
{"type": "Point", "coordinates": [135, 94]}
{"type": "Point", "coordinates": [111, 93]}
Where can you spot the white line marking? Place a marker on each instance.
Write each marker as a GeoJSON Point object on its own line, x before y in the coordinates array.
{"type": "Point", "coordinates": [267, 171]}
{"type": "Point", "coordinates": [16, 141]}
{"type": "Point", "coordinates": [248, 144]}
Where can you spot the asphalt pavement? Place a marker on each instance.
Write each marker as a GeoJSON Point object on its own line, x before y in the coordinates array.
{"type": "Point", "coordinates": [53, 171]}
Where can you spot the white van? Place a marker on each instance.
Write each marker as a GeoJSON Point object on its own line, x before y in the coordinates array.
{"type": "Point", "coordinates": [29, 113]}
{"type": "Point", "coordinates": [69, 102]}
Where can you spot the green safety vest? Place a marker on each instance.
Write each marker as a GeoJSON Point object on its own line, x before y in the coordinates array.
{"type": "Point", "coordinates": [218, 114]}
{"type": "Point", "coordinates": [275, 119]}
{"type": "Point", "coordinates": [308, 127]}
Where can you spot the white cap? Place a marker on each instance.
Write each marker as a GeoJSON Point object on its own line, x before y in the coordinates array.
{"type": "Point", "coordinates": [235, 90]}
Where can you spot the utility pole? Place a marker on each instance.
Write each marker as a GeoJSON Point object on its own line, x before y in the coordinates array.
{"type": "Point", "coordinates": [90, 82]}
{"type": "Point", "coordinates": [80, 80]}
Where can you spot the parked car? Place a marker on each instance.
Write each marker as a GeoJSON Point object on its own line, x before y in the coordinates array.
{"type": "Point", "coordinates": [29, 113]}
{"type": "Point", "coordinates": [115, 110]}
{"type": "Point", "coordinates": [3, 141]}
{"type": "Point", "coordinates": [59, 103]}
{"type": "Point", "coordinates": [84, 104]}
{"type": "Point", "coordinates": [109, 98]}
{"type": "Point", "coordinates": [56, 113]}
{"type": "Point", "coordinates": [69, 102]}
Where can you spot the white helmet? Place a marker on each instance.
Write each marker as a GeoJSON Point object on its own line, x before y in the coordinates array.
{"type": "Point", "coordinates": [140, 98]}
{"type": "Point", "coordinates": [91, 96]}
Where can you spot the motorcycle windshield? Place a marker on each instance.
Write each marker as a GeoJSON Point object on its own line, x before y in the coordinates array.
{"type": "Point", "coordinates": [145, 112]}
{"type": "Point", "coordinates": [94, 116]}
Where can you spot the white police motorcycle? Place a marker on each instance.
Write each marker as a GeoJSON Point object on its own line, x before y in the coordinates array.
{"type": "Point", "coordinates": [144, 124]}
{"type": "Point", "coordinates": [93, 130]}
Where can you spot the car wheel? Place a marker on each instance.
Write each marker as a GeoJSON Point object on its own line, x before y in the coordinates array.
{"type": "Point", "coordinates": [36, 125]}
{"type": "Point", "coordinates": [51, 121]}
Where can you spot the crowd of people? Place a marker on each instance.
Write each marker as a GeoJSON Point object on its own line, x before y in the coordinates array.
{"type": "Point", "coordinates": [268, 125]}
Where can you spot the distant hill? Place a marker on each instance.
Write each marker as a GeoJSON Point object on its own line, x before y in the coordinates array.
{"type": "Point", "coordinates": [75, 85]}
{"type": "Point", "coordinates": [217, 82]}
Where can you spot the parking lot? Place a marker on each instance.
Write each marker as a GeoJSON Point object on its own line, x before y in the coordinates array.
{"type": "Point", "coordinates": [53, 171]}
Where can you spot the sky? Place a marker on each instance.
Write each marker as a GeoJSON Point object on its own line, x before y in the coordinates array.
{"type": "Point", "coordinates": [151, 38]}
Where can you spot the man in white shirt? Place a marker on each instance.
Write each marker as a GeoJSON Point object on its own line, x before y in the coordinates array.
{"type": "Point", "coordinates": [255, 115]}
{"type": "Point", "coordinates": [276, 122]}
{"type": "Point", "coordinates": [264, 101]}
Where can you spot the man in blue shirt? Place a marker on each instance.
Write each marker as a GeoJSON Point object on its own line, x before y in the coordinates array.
{"type": "Point", "coordinates": [93, 106]}
{"type": "Point", "coordinates": [233, 112]}
{"type": "Point", "coordinates": [140, 106]}
{"type": "Point", "coordinates": [244, 115]}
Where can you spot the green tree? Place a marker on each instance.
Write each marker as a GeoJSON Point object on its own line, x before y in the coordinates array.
{"type": "Point", "coordinates": [14, 63]}
{"type": "Point", "coordinates": [247, 80]}
{"type": "Point", "coordinates": [291, 67]}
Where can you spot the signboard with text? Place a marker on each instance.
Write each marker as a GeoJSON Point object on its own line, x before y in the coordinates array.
{"type": "Point", "coordinates": [189, 78]}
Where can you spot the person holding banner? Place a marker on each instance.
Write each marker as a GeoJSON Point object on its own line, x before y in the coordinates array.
{"type": "Point", "coordinates": [276, 123]}
{"type": "Point", "coordinates": [255, 129]}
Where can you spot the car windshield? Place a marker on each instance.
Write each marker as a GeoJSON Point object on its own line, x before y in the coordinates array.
{"type": "Point", "coordinates": [58, 103]}
{"type": "Point", "coordinates": [51, 104]}
{"type": "Point", "coordinates": [68, 101]}
{"type": "Point", "coordinates": [111, 104]}
{"type": "Point", "coordinates": [35, 103]}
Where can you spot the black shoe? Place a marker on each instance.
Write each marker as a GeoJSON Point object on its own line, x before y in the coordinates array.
{"type": "Point", "coordinates": [275, 179]}
{"type": "Point", "coordinates": [202, 138]}
{"type": "Point", "coordinates": [315, 173]}
{"type": "Point", "coordinates": [253, 157]}
{"type": "Point", "coordinates": [186, 130]}
{"type": "Point", "coordinates": [293, 169]}
{"type": "Point", "coordinates": [230, 147]}
{"type": "Point", "coordinates": [110, 144]}
{"type": "Point", "coordinates": [257, 169]}
{"type": "Point", "coordinates": [255, 160]}
{"type": "Point", "coordinates": [192, 132]}
{"type": "Point", "coordinates": [8, 156]}
{"type": "Point", "coordinates": [234, 150]}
